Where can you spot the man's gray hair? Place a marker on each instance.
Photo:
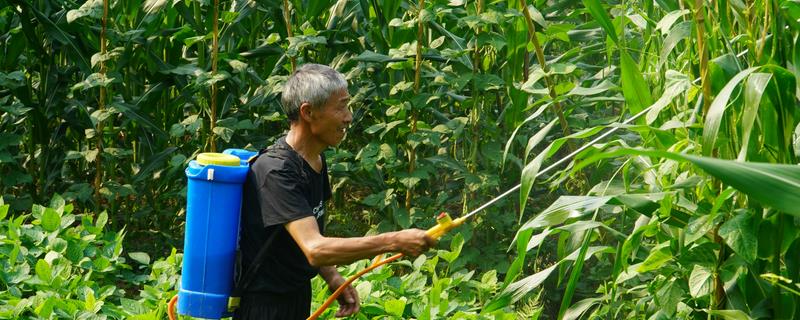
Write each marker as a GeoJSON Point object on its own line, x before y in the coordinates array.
{"type": "Point", "coordinates": [312, 83]}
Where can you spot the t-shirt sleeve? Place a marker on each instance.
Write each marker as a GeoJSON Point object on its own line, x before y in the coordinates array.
{"type": "Point", "coordinates": [281, 197]}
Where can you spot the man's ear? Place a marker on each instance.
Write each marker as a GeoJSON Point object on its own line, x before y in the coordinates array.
{"type": "Point", "coordinates": [306, 111]}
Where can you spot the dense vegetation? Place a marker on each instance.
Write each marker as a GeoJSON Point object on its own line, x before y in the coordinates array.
{"type": "Point", "coordinates": [105, 102]}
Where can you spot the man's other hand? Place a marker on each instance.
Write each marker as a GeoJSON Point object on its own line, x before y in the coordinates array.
{"type": "Point", "coordinates": [349, 303]}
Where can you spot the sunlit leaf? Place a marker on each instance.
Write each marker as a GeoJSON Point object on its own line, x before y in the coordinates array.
{"type": "Point", "coordinates": [717, 110]}
{"type": "Point", "coordinates": [700, 281]}
{"type": "Point", "coordinates": [730, 314]}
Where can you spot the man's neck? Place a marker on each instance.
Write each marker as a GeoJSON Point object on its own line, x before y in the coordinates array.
{"type": "Point", "coordinates": [301, 140]}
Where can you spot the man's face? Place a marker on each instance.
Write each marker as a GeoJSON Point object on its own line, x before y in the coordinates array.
{"type": "Point", "coordinates": [330, 122]}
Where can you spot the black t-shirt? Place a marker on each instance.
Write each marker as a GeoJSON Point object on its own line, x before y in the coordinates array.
{"type": "Point", "coordinates": [280, 187]}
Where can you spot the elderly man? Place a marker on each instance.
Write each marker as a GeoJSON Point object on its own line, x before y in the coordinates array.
{"type": "Point", "coordinates": [284, 204]}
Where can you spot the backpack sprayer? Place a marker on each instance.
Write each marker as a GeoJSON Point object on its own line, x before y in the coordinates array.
{"type": "Point", "coordinates": [212, 209]}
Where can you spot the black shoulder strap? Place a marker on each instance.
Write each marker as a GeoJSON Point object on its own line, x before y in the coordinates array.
{"type": "Point", "coordinates": [243, 282]}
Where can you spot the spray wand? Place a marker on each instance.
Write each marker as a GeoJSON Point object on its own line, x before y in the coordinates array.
{"type": "Point", "coordinates": [444, 223]}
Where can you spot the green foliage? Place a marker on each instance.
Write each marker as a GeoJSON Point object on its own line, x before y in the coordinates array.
{"type": "Point", "coordinates": [440, 128]}
{"type": "Point", "coordinates": [59, 264]}
{"type": "Point", "coordinates": [429, 287]}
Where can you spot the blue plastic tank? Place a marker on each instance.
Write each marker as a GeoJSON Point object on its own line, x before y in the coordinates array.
{"type": "Point", "coordinates": [243, 154]}
{"type": "Point", "coordinates": [213, 202]}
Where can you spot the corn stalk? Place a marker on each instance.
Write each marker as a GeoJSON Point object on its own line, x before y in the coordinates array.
{"type": "Point", "coordinates": [287, 18]}
{"type": "Point", "coordinates": [532, 37]}
{"type": "Point", "coordinates": [98, 175]}
{"type": "Point", "coordinates": [700, 20]}
{"type": "Point", "coordinates": [412, 153]}
{"type": "Point", "coordinates": [214, 89]}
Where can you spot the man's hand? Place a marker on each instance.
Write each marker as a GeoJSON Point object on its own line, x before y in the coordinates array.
{"type": "Point", "coordinates": [349, 303]}
{"type": "Point", "coordinates": [413, 242]}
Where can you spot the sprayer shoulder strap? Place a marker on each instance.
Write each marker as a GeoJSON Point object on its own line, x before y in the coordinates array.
{"type": "Point", "coordinates": [250, 274]}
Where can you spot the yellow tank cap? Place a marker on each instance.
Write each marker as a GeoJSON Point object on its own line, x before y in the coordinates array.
{"type": "Point", "coordinates": [219, 159]}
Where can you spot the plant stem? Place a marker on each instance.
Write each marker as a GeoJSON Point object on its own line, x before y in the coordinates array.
{"type": "Point", "coordinates": [532, 37]}
{"type": "Point", "coordinates": [214, 56]}
{"type": "Point", "coordinates": [700, 19]}
{"type": "Point", "coordinates": [776, 268]}
{"type": "Point", "coordinates": [718, 295]}
{"type": "Point", "coordinates": [412, 152]}
{"type": "Point", "coordinates": [98, 174]}
{"type": "Point", "coordinates": [287, 17]}
{"type": "Point", "coordinates": [760, 50]}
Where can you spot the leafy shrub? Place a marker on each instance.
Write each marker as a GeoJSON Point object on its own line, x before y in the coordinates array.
{"type": "Point", "coordinates": [425, 288]}
{"type": "Point", "coordinates": [58, 264]}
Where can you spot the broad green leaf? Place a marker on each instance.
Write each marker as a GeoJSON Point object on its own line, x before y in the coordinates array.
{"type": "Point", "coordinates": [665, 24]}
{"type": "Point", "coordinates": [44, 271]}
{"type": "Point", "coordinates": [634, 87]}
{"type": "Point", "coordinates": [369, 56]}
{"type": "Point", "coordinates": [601, 16]}
{"type": "Point", "coordinates": [57, 203]}
{"type": "Point", "coordinates": [740, 234]}
{"type": "Point", "coordinates": [538, 137]}
{"type": "Point", "coordinates": [579, 308]}
{"type": "Point", "coordinates": [598, 89]}
{"type": "Point", "coordinates": [538, 239]}
{"type": "Point", "coordinates": [676, 88]}
{"type": "Point", "coordinates": [101, 221]}
{"type": "Point", "coordinates": [574, 276]}
{"type": "Point", "coordinates": [153, 6]}
{"type": "Point", "coordinates": [395, 307]}
{"type": "Point", "coordinates": [681, 31]}
{"type": "Point", "coordinates": [700, 281]}
{"type": "Point", "coordinates": [717, 110]}
{"type": "Point", "coordinates": [140, 118]}
{"type": "Point", "coordinates": [753, 90]}
{"type": "Point", "coordinates": [140, 257]}
{"type": "Point", "coordinates": [730, 314]}
{"type": "Point", "coordinates": [4, 211]}
{"type": "Point", "coordinates": [51, 220]}
{"type": "Point", "coordinates": [659, 255]}
{"type": "Point", "coordinates": [703, 254]}
{"type": "Point", "coordinates": [774, 185]}
{"type": "Point", "coordinates": [519, 261]}
{"type": "Point", "coordinates": [563, 208]}
{"type": "Point", "coordinates": [45, 310]}
{"type": "Point", "coordinates": [668, 296]}
{"type": "Point", "coordinates": [529, 174]}
{"type": "Point", "coordinates": [510, 140]}
{"type": "Point", "coordinates": [518, 289]}
{"type": "Point", "coordinates": [89, 300]}
{"type": "Point", "coordinates": [796, 60]}
{"type": "Point", "coordinates": [93, 80]}
{"type": "Point", "coordinates": [90, 8]}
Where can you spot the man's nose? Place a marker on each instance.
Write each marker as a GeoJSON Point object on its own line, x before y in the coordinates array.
{"type": "Point", "coordinates": [348, 117]}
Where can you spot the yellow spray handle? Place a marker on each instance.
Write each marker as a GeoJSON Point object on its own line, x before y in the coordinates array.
{"type": "Point", "coordinates": [443, 225]}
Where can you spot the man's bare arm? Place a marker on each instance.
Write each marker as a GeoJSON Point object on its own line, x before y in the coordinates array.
{"type": "Point", "coordinates": [327, 251]}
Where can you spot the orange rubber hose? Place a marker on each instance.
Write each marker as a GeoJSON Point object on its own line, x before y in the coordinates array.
{"type": "Point", "coordinates": [350, 280]}
{"type": "Point", "coordinates": [171, 307]}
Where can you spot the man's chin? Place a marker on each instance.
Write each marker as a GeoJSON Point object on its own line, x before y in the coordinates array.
{"type": "Point", "coordinates": [336, 141]}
